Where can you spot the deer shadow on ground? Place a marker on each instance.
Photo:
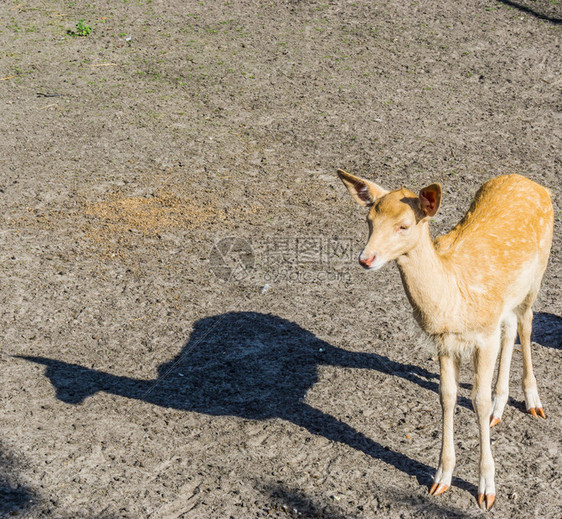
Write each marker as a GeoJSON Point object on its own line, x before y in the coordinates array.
{"type": "Point", "coordinates": [15, 498]}
{"type": "Point", "coordinates": [254, 366]}
{"type": "Point", "coordinates": [547, 330]}
{"type": "Point", "coordinates": [306, 505]}
{"type": "Point", "coordinates": [532, 10]}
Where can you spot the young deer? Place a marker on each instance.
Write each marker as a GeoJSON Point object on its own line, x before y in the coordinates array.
{"type": "Point", "coordinates": [471, 290]}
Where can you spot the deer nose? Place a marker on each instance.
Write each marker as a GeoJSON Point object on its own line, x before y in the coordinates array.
{"type": "Point", "coordinates": [366, 263]}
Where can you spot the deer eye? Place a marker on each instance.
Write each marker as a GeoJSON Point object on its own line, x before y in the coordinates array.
{"type": "Point", "coordinates": [402, 227]}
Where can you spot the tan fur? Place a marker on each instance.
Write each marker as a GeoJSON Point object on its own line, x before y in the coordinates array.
{"type": "Point", "coordinates": [466, 288]}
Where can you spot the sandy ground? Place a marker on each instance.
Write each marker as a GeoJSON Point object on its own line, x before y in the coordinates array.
{"type": "Point", "coordinates": [185, 329]}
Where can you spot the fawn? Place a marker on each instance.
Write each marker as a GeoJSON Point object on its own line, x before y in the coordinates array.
{"type": "Point", "coordinates": [471, 290]}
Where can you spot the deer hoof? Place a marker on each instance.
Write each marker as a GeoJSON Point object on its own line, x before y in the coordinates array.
{"type": "Point", "coordinates": [490, 498]}
{"type": "Point", "coordinates": [438, 488]}
{"type": "Point", "coordinates": [536, 412]}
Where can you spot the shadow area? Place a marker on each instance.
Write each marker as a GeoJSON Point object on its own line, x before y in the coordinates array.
{"type": "Point", "coordinates": [254, 366]}
{"type": "Point", "coordinates": [296, 501]}
{"type": "Point", "coordinates": [14, 498]}
{"type": "Point", "coordinates": [545, 6]}
{"type": "Point", "coordinates": [547, 330]}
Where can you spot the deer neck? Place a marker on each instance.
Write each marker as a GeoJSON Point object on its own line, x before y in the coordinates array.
{"type": "Point", "coordinates": [428, 284]}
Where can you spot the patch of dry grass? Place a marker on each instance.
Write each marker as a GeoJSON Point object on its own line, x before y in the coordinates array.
{"type": "Point", "coordinates": [115, 227]}
{"type": "Point", "coordinates": [151, 215]}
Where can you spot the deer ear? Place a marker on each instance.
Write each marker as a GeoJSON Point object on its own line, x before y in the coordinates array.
{"type": "Point", "coordinates": [430, 199]}
{"type": "Point", "coordinates": [364, 192]}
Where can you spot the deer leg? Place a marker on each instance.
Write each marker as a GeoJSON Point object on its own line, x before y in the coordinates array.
{"type": "Point", "coordinates": [484, 361]}
{"type": "Point", "coordinates": [448, 398]}
{"type": "Point", "coordinates": [501, 392]}
{"type": "Point", "coordinates": [532, 399]}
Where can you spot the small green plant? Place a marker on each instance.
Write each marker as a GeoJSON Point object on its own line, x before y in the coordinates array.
{"type": "Point", "coordinates": [82, 29]}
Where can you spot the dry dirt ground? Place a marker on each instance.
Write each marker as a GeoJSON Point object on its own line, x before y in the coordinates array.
{"type": "Point", "coordinates": [185, 329]}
